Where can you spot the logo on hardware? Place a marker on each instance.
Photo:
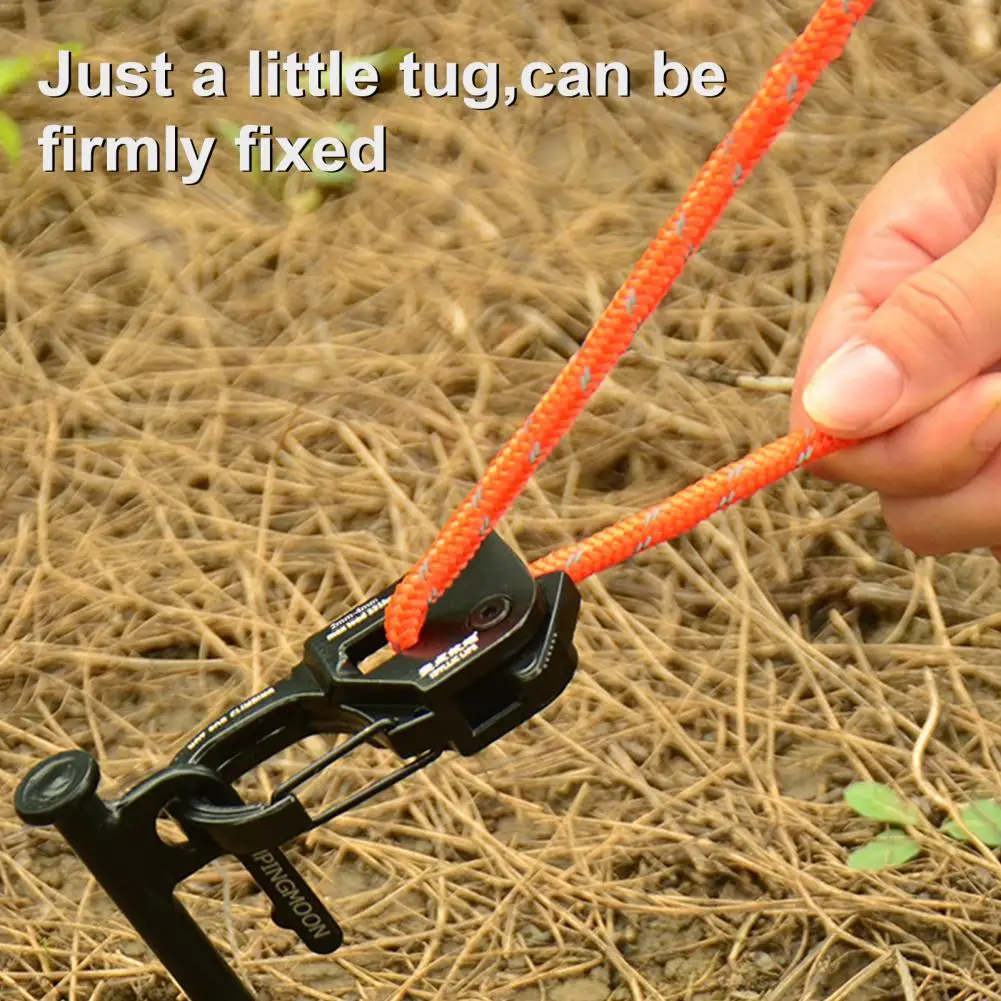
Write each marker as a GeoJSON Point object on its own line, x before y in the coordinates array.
{"type": "Point", "coordinates": [292, 893]}
{"type": "Point", "coordinates": [450, 658]}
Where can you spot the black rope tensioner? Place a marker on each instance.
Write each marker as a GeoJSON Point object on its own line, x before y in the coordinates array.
{"type": "Point", "coordinates": [496, 650]}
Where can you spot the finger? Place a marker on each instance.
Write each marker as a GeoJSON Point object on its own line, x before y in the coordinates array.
{"type": "Point", "coordinates": [964, 519]}
{"type": "Point", "coordinates": [924, 208]}
{"type": "Point", "coordinates": [936, 452]}
{"type": "Point", "coordinates": [937, 330]}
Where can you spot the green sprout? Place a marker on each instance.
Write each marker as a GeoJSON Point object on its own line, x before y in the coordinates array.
{"type": "Point", "coordinates": [15, 72]}
{"type": "Point", "coordinates": [893, 848]}
{"type": "Point", "coordinates": [386, 64]}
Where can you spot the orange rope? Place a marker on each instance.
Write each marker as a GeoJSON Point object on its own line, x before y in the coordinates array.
{"type": "Point", "coordinates": [726, 170]}
{"type": "Point", "coordinates": [683, 511]}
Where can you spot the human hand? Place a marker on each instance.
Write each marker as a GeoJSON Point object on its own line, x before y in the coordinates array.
{"type": "Point", "coordinates": [907, 344]}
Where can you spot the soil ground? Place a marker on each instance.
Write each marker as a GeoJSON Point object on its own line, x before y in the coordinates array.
{"type": "Point", "coordinates": [225, 424]}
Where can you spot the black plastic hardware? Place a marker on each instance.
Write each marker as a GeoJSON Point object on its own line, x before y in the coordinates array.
{"type": "Point", "coordinates": [496, 650]}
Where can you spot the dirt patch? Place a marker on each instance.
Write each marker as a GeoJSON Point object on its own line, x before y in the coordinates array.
{"type": "Point", "coordinates": [223, 425]}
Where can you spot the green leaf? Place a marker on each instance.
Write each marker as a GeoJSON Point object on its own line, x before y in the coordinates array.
{"type": "Point", "coordinates": [276, 184]}
{"type": "Point", "coordinates": [344, 131]}
{"type": "Point", "coordinates": [334, 179]}
{"type": "Point", "coordinates": [385, 62]}
{"type": "Point", "coordinates": [340, 179]}
{"type": "Point", "coordinates": [272, 183]}
{"type": "Point", "coordinates": [308, 201]}
{"type": "Point", "coordinates": [327, 178]}
{"type": "Point", "coordinates": [226, 130]}
{"type": "Point", "coordinates": [347, 174]}
{"type": "Point", "coordinates": [10, 139]}
{"type": "Point", "coordinates": [982, 818]}
{"type": "Point", "coordinates": [16, 71]}
{"type": "Point", "coordinates": [879, 802]}
{"type": "Point", "coordinates": [887, 850]}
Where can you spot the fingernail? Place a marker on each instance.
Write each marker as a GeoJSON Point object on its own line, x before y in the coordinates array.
{"type": "Point", "coordinates": [853, 388]}
{"type": "Point", "coordinates": [987, 435]}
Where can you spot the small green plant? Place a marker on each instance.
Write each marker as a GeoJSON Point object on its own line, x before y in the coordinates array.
{"type": "Point", "coordinates": [387, 61]}
{"type": "Point", "coordinates": [386, 64]}
{"type": "Point", "coordinates": [15, 72]}
{"type": "Point", "coordinates": [893, 848]}
{"type": "Point", "coordinates": [277, 185]}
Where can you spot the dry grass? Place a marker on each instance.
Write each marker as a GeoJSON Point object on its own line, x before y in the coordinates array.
{"type": "Point", "coordinates": [224, 426]}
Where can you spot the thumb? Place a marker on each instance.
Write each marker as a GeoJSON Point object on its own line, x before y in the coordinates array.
{"type": "Point", "coordinates": [938, 329]}
{"type": "Point", "coordinates": [909, 315]}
